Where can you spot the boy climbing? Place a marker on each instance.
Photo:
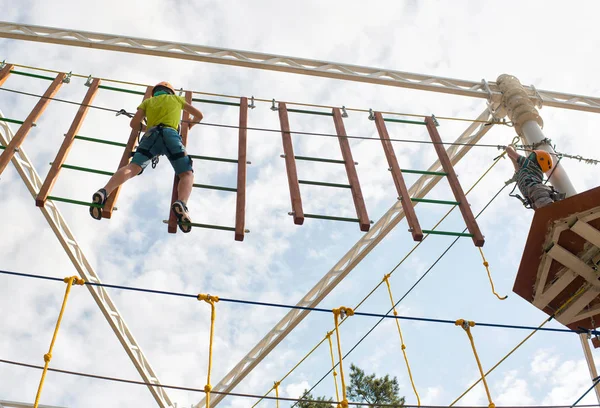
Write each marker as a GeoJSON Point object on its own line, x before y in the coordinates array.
{"type": "Point", "coordinates": [529, 174]}
{"type": "Point", "coordinates": [163, 114]}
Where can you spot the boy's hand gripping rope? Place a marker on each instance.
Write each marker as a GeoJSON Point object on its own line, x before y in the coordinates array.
{"type": "Point", "coordinates": [344, 312]}
{"type": "Point", "coordinates": [211, 300]}
{"type": "Point", "coordinates": [70, 281]}
{"type": "Point", "coordinates": [403, 346]}
{"type": "Point", "coordinates": [466, 325]}
{"type": "Point", "coordinates": [487, 268]}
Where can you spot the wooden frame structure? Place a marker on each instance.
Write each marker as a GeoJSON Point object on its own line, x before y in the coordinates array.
{"type": "Point", "coordinates": [560, 262]}
{"type": "Point", "coordinates": [240, 201]}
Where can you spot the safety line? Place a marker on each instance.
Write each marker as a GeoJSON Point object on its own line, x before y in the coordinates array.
{"type": "Point", "coordinates": [234, 394]}
{"type": "Point", "coordinates": [254, 99]}
{"type": "Point", "coordinates": [312, 309]}
{"type": "Point", "coordinates": [318, 134]}
{"type": "Point", "coordinates": [596, 381]}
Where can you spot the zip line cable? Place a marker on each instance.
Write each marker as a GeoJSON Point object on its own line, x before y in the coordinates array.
{"type": "Point", "coordinates": [255, 99]}
{"type": "Point", "coordinates": [318, 134]}
{"type": "Point", "coordinates": [285, 306]}
{"type": "Point", "coordinates": [234, 394]}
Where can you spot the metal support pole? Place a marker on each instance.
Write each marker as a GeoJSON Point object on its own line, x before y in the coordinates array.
{"type": "Point", "coordinates": [528, 123]}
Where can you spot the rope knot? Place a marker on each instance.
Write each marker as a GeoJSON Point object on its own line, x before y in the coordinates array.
{"type": "Point", "coordinates": [486, 264]}
{"type": "Point", "coordinates": [344, 403]}
{"type": "Point", "coordinates": [47, 357]}
{"type": "Point", "coordinates": [208, 298]}
{"type": "Point", "coordinates": [465, 324]}
{"type": "Point", "coordinates": [395, 312]}
{"type": "Point", "coordinates": [276, 384]}
{"type": "Point", "coordinates": [343, 311]}
{"type": "Point", "coordinates": [207, 388]}
{"type": "Point", "coordinates": [335, 374]}
{"type": "Point", "coordinates": [403, 347]}
{"type": "Point", "coordinates": [492, 405]}
{"type": "Point", "coordinates": [386, 276]}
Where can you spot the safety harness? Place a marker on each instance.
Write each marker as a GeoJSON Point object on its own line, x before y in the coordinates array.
{"type": "Point", "coordinates": [147, 152]}
{"type": "Point", "coordinates": [526, 201]}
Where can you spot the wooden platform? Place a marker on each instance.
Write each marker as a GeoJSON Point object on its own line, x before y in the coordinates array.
{"type": "Point", "coordinates": [561, 258]}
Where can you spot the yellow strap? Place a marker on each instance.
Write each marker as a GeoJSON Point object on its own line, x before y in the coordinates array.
{"type": "Point", "coordinates": [70, 281]}
{"type": "Point", "coordinates": [487, 268]}
{"type": "Point", "coordinates": [346, 311]}
{"type": "Point", "coordinates": [466, 325]}
{"type": "Point", "coordinates": [211, 300]}
{"type": "Point", "coordinates": [386, 279]}
{"type": "Point", "coordinates": [337, 392]}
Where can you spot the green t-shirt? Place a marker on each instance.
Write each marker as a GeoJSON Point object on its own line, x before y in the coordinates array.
{"type": "Point", "coordinates": [165, 109]}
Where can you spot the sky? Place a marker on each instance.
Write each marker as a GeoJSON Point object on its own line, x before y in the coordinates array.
{"type": "Point", "coordinates": [549, 46]}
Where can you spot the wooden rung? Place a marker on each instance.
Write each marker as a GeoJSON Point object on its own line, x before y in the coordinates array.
{"type": "Point", "coordinates": [36, 112]}
{"type": "Point", "coordinates": [457, 190]}
{"type": "Point", "coordinates": [403, 194]}
{"type": "Point", "coordinates": [240, 204]}
{"type": "Point", "coordinates": [5, 73]}
{"type": "Point", "coordinates": [290, 165]}
{"type": "Point", "coordinates": [65, 147]}
{"type": "Point", "coordinates": [359, 202]}
{"type": "Point", "coordinates": [185, 128]}
{"type": "Point", "coordinates": [125, 159]}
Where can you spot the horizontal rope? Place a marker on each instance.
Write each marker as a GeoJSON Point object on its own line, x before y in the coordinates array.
{"type": "Point", "coordinates": [498, 147]}
{"type": "Point", "coordinates": [237, 394]}
{"type": "Point", "coordinates": [312, 309]}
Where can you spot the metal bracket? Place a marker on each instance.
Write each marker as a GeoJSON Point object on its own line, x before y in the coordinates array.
{"type": "Point", "coordinates": [344, 112]}
{"type": "Point", "coordinates": [371, 114]}
{"type": "Point", "coordinates": [67, 78]}
{"type": "Point", "coordinates": [273, 107]}
{"type": "Point", "coordinates": [539, 102]}
{"type": "Point", "coordinates": [88, 82]}
{"type": "Point", "coordinates": [2, 64]}
{"type": "Point", "coordinates": [252, 105]}
{"type": "Point", "coordinates": [435, 121]}
{"type": "Point", "coordinates": [180, 91]}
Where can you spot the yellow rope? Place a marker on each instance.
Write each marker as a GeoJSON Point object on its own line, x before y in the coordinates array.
{"type": "Point", "coordinates": [466, 325]}
{"type": "Point", "coordinates": [276, 386]}
{"type": "Point", "coordinates": [70, 281]}
{"type": "Point", "coordinates": [337, 312]}
{"type": "Point", "coordinates": [560, 309]}
{"type": "Point", "coordinates": [487, 268]}
{"type": "Point", "coordinates": [211, 300]}
{"type": "Point", "coordinates": [259, 99]}
{"type": "Point", "coordinates": [403, 346]}
{"type": "Point", "coordinates": [337, 392]}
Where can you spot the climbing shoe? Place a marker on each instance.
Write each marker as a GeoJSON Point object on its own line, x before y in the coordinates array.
{"type": "Point", "coordinates": [99, 197]}
{"type": "Point", "coordinates": [183, 217]}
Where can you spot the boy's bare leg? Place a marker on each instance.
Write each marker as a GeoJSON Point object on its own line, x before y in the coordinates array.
{"type": "Point", "coordinates": [184, 187]}
{"type": "Point", "coordinates": [121, 176]}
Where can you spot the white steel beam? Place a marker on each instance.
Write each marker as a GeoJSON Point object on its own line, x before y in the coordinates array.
{"type": "Point", "coordinates": [12, 404]}
{"type": "Point", "coordinates": [249, 59]}
{"type": "Point", "coordinates": [345, 265]}
{"type": "Point", "coordinates": [33, 182]}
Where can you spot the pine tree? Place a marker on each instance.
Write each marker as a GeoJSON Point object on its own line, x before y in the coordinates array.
{"type": "Point", "coordinates": [307, 401]}
{"type": "Point", "coordinates": [373, 390]}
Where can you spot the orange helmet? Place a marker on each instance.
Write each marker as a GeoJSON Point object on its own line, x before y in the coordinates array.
{"type": "Point", "coordinates": [544, 160]}
{"type": "Point", "coordinates": [165, 85]}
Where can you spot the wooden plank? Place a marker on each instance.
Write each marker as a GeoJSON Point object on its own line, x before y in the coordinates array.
{"type": "Point", "coordinates": [125, 159]}
{"type": "Point", "coordinates": [568, 315]}
{"type": "Point", "coordinates": [587, 232]}
{"type": "Point", "coordinates": [359, 201]}
{"type": "Point", "coordinates": [403, 195]}
{"type": "Point", "coordinates": [185, 128]}
{"type": "Point", "coordinates": [575, 264]}
{"type": "Point", "coordinates": [5, 73]}
{"type": "Point", "coordinates": [290, 165]}
{"type": "Point", "coordinates": [36, 112]}
{"type": "Point", "coordinates": [457, 190]}
{"type": "Point", "coordinates": [65, 147]}
{"type": "Point", "coordinates": [240, 204]}
{"type": "Point", "coordinates": [554, 289]}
